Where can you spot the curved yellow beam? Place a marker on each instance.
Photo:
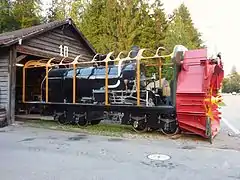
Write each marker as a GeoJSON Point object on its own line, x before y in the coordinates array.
{"type": "Point", "coordinates": [33, 64]}
{"type": "Point", "coordinates": [159, 49]}
{"type": "Point", "coordinates": [139, 58]}
{"type": "Point", "coordinates": [93, 59]}
{"type": "Point", "coordinates": [119, 55]}
{"type": "Point", "coordinates": [48, 64]}
{"type": "Point", "coordinates": [75, 61]}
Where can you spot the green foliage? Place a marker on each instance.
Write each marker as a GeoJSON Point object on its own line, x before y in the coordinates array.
{"type": "Point", "coordinates": [60, 9]}
{"type": "Point", "coordinates": [154, 26]}
{"type": "Point", "coordinates": [27, 12]}
{"type": "Point", "coordinates": [77, 10]}
{"type": "Point", "coordinates": [112, 25]}
{"type": "Point", "coordinates": [7, 21]}
{"type": "Point", "coordinates": [182, 31]}
{"type": "Point", "coordinates": [19, 14]}
{"type": "Point", "coordinates": [232, 82]}
{"type": "Point", "coordinates": [93, 23]}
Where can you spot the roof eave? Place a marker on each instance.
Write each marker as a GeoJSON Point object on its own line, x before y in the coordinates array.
{"type": "Point", "coordinates": [10, 43]}
{"type": "Point", "coordinates": [68, 21]}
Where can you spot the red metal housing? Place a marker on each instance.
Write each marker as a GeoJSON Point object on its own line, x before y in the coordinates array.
{"type": "Point", "coordinates": [197, 96]}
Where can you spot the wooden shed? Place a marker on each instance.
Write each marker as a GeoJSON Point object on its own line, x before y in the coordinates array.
{"type": "Point", "coordinates": [58, 39]}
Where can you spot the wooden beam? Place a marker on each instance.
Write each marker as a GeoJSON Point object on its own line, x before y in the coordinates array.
{"type": "Point", "coordinates": [37, 52]}
{"type": "Point", "coordinates": [21, 57]}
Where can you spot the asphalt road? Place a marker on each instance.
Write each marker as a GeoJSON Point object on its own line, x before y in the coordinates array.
{"type": "Point", "coordinates": [38, 154]}
{"type": "Point", "coordinates": [231, 113]}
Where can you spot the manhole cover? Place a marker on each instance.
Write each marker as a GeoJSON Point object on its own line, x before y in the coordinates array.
{"type": "Point", "coordinates": [158, 157]}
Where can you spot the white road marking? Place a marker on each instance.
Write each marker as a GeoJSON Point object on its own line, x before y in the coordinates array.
{"type": "Point", "coordinates": [235, 130]}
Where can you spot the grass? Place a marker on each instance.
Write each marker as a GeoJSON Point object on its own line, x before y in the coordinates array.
{"type": "Point", "coordinates": [115, 130]}
{"type": "Point", "coordinates": [102, 129]}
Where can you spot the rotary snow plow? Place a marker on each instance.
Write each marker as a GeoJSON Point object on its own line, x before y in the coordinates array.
{"type": "Point", "coordinates": [84, 93]}
{"type": "Point", "coordinates": [198, 93]}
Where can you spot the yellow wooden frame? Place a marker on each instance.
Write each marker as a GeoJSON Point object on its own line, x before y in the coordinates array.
{"type": "Point", "coordinates": [139, 58]}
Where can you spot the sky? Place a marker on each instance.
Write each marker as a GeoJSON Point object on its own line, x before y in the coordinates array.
{"type": "Point", "coordinates": [218, 22]}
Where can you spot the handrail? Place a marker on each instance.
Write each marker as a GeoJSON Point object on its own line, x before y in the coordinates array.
{"type": "Point", "coordinates": [48, 64]}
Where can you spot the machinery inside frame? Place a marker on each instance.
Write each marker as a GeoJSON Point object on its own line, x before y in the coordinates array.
{"type": "Point", "coordinates": [120, 88]}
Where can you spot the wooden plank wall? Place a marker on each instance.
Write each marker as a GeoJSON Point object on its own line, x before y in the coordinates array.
{"type": "Point", "coordinates": [50, 41]}
{"type": "Point", "coordinates": [12, 84]}
{"type": "Point", "coordinates": [4, 77]}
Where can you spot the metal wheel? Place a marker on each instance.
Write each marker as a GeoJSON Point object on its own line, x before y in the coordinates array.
{"type": "Point", "coordinates": [83, 123]}
{"type": "Point", "coordinates": [170, 127]}
{"type": "Point", "coordinates": [81, 119]}
{"type": "Point", "coordinates": [60, 118]}
{"type": "Point", "coordinates": [170, 132]}
{"type": "Point", "coordinates": [140, 124]}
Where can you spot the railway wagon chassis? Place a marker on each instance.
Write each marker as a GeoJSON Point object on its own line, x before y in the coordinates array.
{"type": "Point", "coordinates": [141, 118]}
{"type": "Point", "coordinates": [130, 95]}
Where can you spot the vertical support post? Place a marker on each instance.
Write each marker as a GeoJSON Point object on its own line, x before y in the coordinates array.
{"type": "Point", "coordinates": [106, 82]}
{"type": "Point", "coordinates": [138, 82]}
{"type": "Point", "coordinates": [74, 83]}
{"type": "Point", "coordinates": [11, 85]}
{"type": "Point", "coordinates": [46, 83]}
{"type": "Point", "coordinates": [24, 85]}
{"type": "Point", "coordinates": [106, 77]}
{"type": "Point", "coordinates": [138, 59]}
{"type": "Point", "coordinates": [160, 72]}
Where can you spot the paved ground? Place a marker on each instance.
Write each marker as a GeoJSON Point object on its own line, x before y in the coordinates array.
{"type": "Point", "coordinates": [231, 113]}
{"type": "Point", "coordinates": [38, 154]}
{"type": "Point", "coordinates": [29, 153]}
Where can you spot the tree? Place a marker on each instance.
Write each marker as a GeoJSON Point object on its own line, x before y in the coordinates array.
{"type": "Point", "coordinates": [27, 12]}
{"type": "Point", "coordinates": [129, 24]}
{"type": "Point", "coordinates": [113, 25]}
{"type": "Point", "coordinates": [7, 21]}
{"type": "Point", "coordinates": [160, 24]}
{"type": "Point", "coordinates": [181, 30]}
{"type": "Point", "coordinates": [59, 10]}
{"type": "Point", "coordinates": [118, 25]}
{"type": "Point", "coordinates": [77, 10]}
{"type": "Point", "coordinates": [93, 24]}
{"type": "Point", "coordinates": [232, 82]}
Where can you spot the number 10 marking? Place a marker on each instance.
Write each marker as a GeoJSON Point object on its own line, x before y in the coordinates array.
{"type": "Point", "coordinates": [63, 50]}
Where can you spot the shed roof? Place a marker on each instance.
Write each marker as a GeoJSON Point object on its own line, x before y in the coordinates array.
{"type": "Point", "coordinates": [10, 38]}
